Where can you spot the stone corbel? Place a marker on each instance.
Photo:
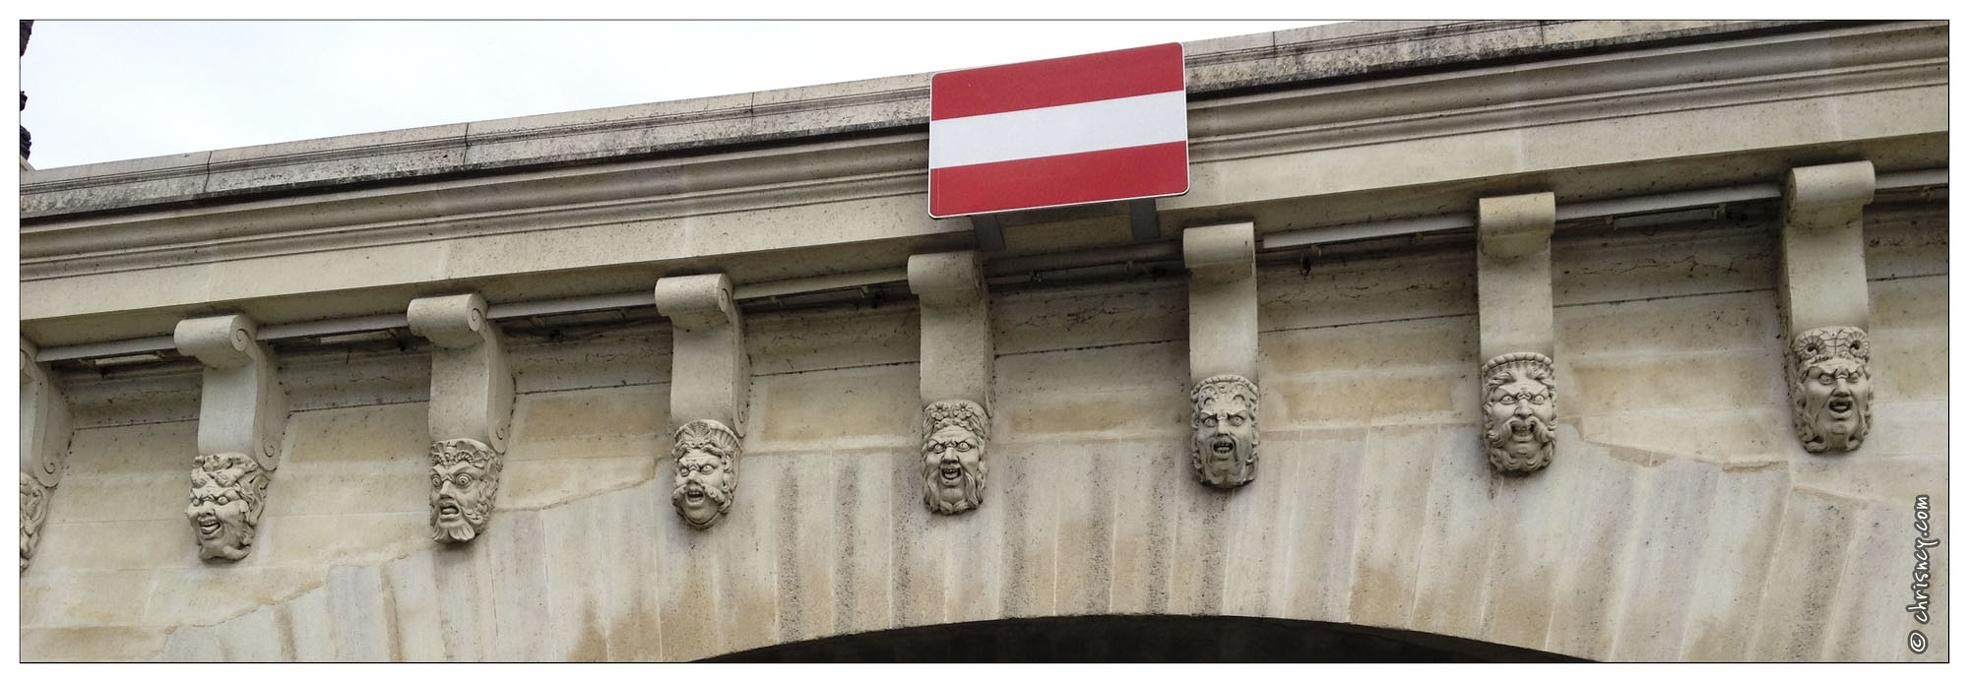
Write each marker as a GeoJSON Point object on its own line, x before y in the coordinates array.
{"type": "Point", "coordinates": [45, 433]}
{"type": "Point", "coordinates": [1825, 305]}
{"type": "Point", "coordinates": [709, 380]}
{"type": "Point", "coordinates": [1222, 260]}
{"type": "Point", "coordinates": [243, 408]}
{"type": "Point", "coordinates": [955, 378]}
{"type": "Point", "coordinates": [242, 414]}
{"type": "Point", "coordinates": [1514, 314]}
{"type": "Point", "coordinates": [471, 411]}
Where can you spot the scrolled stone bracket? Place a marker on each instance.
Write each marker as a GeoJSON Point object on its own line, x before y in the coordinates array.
{"type": "Point", "coordinates": [45, 432]}
{"type": "Point", "coordinates": [1514, 274]}
{"type": "Point", "coordinates": [243, 408]}
{"type": "Point", "coordinates": [471, 382]}
{"type": "Point", "coordinates": [954, 380]}
{"type": "Point", "coordinates": [1222, 261]}
{"type": "Point", "coordinates": [710, 373]}
{"type": "Point", "coordinates": [956, 319]}
{"type": "Point", "coordinates": [1514, 319]}
{"type": "Point", "coordinates": [1824, 252]}
{"type": "Point", "coordinates": [1826, 307]}
{"type": "Point", "coordinates": [45, 422]}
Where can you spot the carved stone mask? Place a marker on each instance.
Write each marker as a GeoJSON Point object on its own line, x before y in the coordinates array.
{"type": "Point", "coordinates": [1224, 447]}
{"type": "Point", "coordinates": [464, 480]}
{"type": "Point", "coordinates": [1519, 412]}
{"type": "Point", "coordinates": [34, 510]}
{"type": "Point", "coordinates": [706, 454]}
{"type": "Point", "coordinates": [953, 456]}
{"type": "Point", "coordinates": [1831, 389]}
{"type": "Point", "coordinates": [226, 494]}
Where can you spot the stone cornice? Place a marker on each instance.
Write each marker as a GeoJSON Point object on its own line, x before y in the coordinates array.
{"type": "Point", "coordinates": [891, 163]}
{"type": "Point", "coordinates": [698, 125]}
{"type": "Point", "coordinates": [681, 212]}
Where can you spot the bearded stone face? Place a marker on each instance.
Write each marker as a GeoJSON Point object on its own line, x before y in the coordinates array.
{"type": "Point", "coordinates": [34, 509]}
{"type": "Point", "coordinates": [1835, 395]}
{"type": "Point", "coordinates": [461, 500]}
{"type": "Point", "coordinates": [953, 470]}
{"type": "Point", "coordinates": [1224, 445]}
{"type": "Point", "coordinates": [1518, 418]}
{"type": "Point", "coordinates": [1831, 388]}
{"type": "Point", "coordinates": [704, 486]}
{"type": "Point", "coordinates": [225, 505]}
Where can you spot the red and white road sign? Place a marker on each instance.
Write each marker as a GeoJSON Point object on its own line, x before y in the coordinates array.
{"type": "Point", "coordinates": [1094, 128]}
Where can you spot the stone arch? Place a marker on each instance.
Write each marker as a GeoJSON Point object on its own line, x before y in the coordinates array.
{"type": "Point", "coordinates": [1135, 638]}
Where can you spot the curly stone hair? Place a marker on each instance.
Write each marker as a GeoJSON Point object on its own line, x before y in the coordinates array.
{"type": "Point", "coordinates": [454, 451]}
{"type": "Point", "coordinates": [711, 436]}
{"type": "Point", "coordinates": [237, 471]}
{"type": "Point", "coordinates": [954, 413]}
{"type": "Point", "coordinates": [1818, 345]}
{"type": "Point", "coordinates": [1221, 388]}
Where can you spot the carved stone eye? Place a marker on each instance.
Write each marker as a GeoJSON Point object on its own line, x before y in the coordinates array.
{"type": "Point", "coordinates": [463, 479]}
{"type": "Point", "coordinates": [222, 499]}
{"type": "Point", "coordinates": [436, 480]}
{"type": "Point", "coordinates": [938, 449]}
{"type": "Point", "coordinates": [963, 446]}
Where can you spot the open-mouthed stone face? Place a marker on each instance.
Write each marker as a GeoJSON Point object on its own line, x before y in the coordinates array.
{"type": "Point", "coordinates": [953, 470]}
{"type": "Point", "coordinates": [1518, 418]}
{"type": "Point", "coordinates": [461, 500]}
{"type": "Point", "coordinates": [1223, 449]}
{"type": "Point", "coordinates": [222, 518]}
{"type": "Point", "coordinates": [703, 487]}
{"type": "Point", "coordinates": [1831, 388]}
{"type": "Point", "coordinates": [1835, 395]}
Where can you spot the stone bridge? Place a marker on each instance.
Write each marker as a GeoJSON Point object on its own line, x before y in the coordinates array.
{"type": "Point", "coordinates": [1701, 195]}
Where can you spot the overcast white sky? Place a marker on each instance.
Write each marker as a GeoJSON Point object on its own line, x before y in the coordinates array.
{"type": "Point", "coordinates": [112, 90]}
{"type": "Point", "coordinates": [192, 77]}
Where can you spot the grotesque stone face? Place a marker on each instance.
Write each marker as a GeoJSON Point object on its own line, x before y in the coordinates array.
{"type": "Point", "coordinates": [1519, 412]}
{"type": "Point", "coordinates": [706, 454]}
{"type": "Point", "coordinates": [34, 509]}
{"type": "Point", "coordinates": [953, 456]}
{"type": "Point", "coordinates": [464, 479]}
{"type": "Point", "coordinates": [226, 492]}
{"type": "Point", "coordinates": [1831, 390]}
{"type": "Point", "coordinates": [1224, 448]}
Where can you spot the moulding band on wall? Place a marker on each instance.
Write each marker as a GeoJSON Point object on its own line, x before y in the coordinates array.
{"type": "Point", "coordinates": [1285, 239]}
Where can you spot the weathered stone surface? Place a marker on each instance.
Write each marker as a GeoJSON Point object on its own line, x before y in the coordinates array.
{"type": "Point", "coordinates": [704, 457]}
{"type": "Point", "coordinates": [1680, 524]}
{"type": "Point", "coordinates": [1831, 388]}
{"type": "Point", "coordinates": [861, 407]}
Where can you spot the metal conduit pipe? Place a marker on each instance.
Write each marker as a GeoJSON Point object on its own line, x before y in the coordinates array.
{"type": "Point", "coordinates": [150, 348]}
